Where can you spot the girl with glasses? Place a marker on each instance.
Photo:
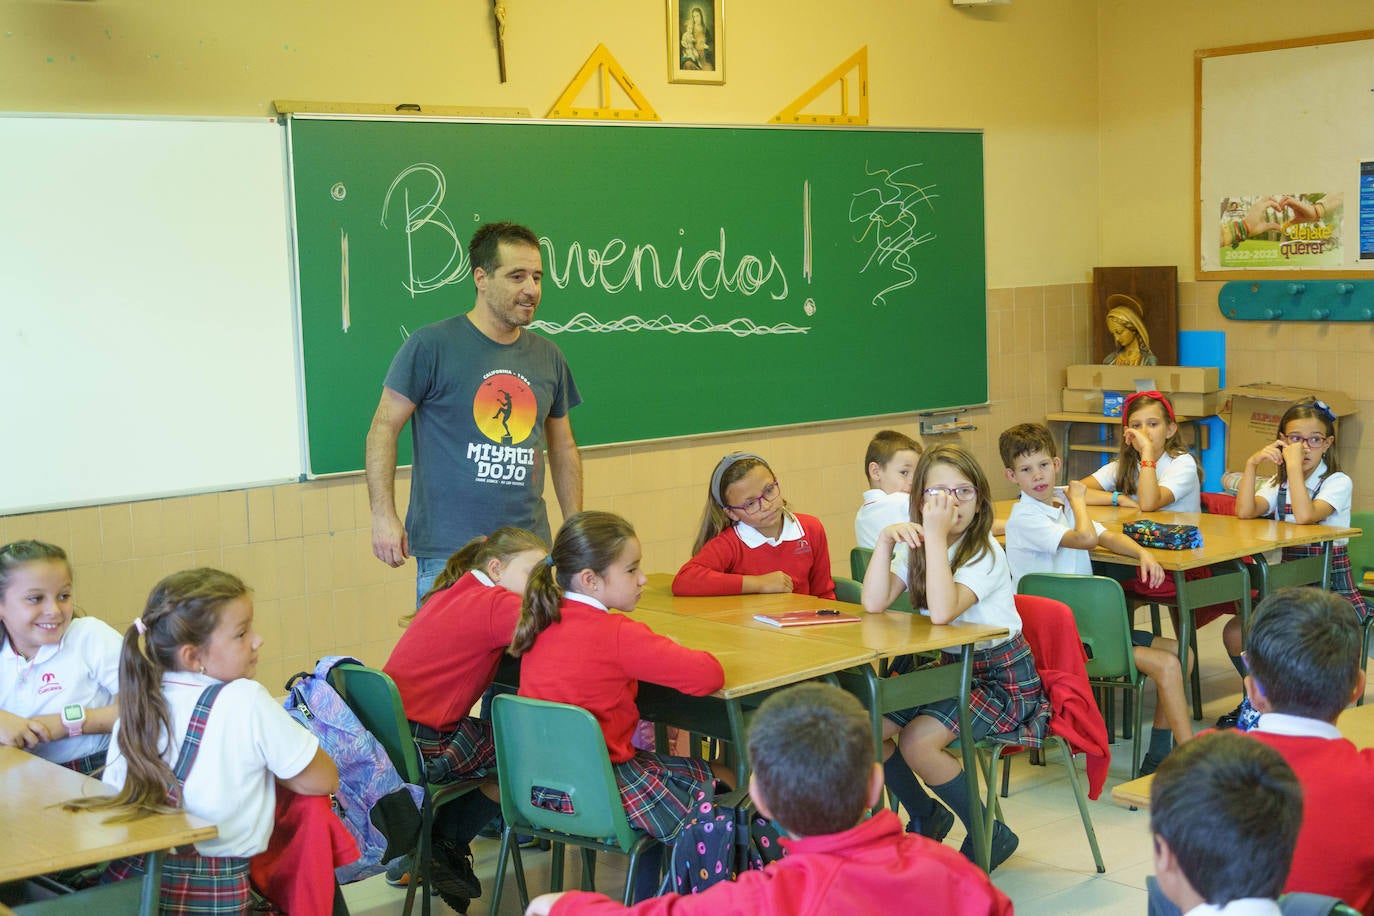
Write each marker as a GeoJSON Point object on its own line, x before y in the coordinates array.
{"type": "Point", "coordinates": [956, 573]}
{"type": "Point", "coordinates": [750, 542]}
{"type": "Point", "coordinates": [1308, 488]}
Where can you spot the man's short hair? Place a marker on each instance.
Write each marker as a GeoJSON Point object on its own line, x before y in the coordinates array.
{"type": "Point", "coordinates": [1304, 652]}
{"type": "Point", "coordinates": [1025, 439]}
{"type": "Point", "coordinates": [885, 444]}
{"type": "Point", "coordinates": [484, 250]}
{"type": "Point", "coordinates": [1230, 808]}
{"type": "Point", "coordinates": [811, 749]}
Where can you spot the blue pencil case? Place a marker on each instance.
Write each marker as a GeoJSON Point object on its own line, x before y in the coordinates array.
{"type": "Point", "coordinates": [1163, 537]}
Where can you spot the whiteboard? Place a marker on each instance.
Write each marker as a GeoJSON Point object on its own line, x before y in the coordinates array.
{"type": "Point", "coordinates": [147, 328]}
{"type": "Point", "coordinates": [1293, 117]}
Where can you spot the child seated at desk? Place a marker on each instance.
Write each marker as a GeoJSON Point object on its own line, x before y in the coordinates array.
{"type": "Point", "coordinates": [58, 675]}
{"type": "Point", "coordinates": [750, 542]}
{"type": "Point", "coordinates": [1304, 658]}
{"type": "Point", "coordinates": [1225, 816]}
{"type": "Point", "coordinates": [811, 752]}
{"type": "Point", "coordinates": [1049, 531]}
{"type": "Point", "coordinates": [890, 465]}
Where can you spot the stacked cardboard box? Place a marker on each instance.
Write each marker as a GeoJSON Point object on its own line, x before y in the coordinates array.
{"type": "Point", "coordinates": [1252, 415]}
{"type": "Point", "coordinates": [1193, 390]}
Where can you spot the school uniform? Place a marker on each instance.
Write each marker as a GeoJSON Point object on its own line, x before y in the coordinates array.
{"type": "Point", "coordinates": [879, 510]}
{"type": "Point", "coordinates": [1246, 906]}
{"type": "Point", "coordinates": [82, 668]}
{"type": "Point", "coordinates": [595, 658]}
{"type": "Point", "coordinates": [1006, 696]}
{"type": "Point", "coordinates": [800, 550]}
{"type": "Point", "coordinates": [1034, 534]}
{"type": "Point", "coordinates": [1175, 473]}
{"type": "Point", "coordinates": [1337, 491]}
{"type": "Point", "coordinates": [444, 661]}
{"type": "Point", "coordinates": [872, 865]}
{"type": "Point", "coordinates": [1335, 851]}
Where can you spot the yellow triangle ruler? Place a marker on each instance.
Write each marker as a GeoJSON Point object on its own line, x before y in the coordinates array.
{"type": "Point", "coordinates": [840, 76]}
{"type": "Point", "coordinates": [609, 68]}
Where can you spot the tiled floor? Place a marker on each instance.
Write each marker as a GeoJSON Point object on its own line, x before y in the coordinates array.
{"type": "Point", "coordinates": [1051, 874]}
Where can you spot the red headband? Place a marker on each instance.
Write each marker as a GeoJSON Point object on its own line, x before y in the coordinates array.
{"type": "Point", "coordinates": [1157, 395]}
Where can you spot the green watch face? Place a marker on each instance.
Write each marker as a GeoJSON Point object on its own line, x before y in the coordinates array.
{"type": "Point", "coordinates": [73, 713]}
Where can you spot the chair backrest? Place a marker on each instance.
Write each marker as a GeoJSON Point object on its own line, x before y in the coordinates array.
{"type": "Point", "coordinates": [846, 589]}
{"type": "Point", "coordinates": [1047, 624]}
{"type": "Point", "coordinates": [374, 699]}
{"type": "Point", "coordinates": [560, 747]}
{"type": "Point", "coordinates": [1361, 549]}
{"type": "Point", "coordinates": [858, 562]}
{"type": "Point", "coordinates": [1099, 611]}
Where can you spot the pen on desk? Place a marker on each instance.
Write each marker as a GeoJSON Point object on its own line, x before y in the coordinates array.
{"type": "Point", "coordinates": [827, 612]}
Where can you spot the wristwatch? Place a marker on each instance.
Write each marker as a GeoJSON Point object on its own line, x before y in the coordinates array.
{"type": "Point", "coordinates": [74, 717]}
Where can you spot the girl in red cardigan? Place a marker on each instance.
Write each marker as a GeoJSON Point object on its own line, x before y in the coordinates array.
{"type": "Point", "coordinates": [750, 542]}
{"type": "Point", "coordinates": [575, 648]}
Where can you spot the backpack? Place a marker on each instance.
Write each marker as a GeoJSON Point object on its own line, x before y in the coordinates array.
{"type": "Point", "coordinates": [378, 808]}
{"type": "Point", "coordinates": [717, 845]}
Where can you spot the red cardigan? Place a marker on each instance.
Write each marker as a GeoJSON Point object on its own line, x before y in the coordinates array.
{"type": "Point", "coordinates": [873, 867]}
{"type": "Point", "coordinates": [724, 561]}
{"type": "Point", "coordinates": [595, 659]}
{"type": "Point", "coordinates": [1335, 853]}
{"type": "Point", "coordinates": [449, 653]}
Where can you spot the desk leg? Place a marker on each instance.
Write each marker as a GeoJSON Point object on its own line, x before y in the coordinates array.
{"type": "Point", "coordinates": [152, 885]}
{"type": "Point", "coordinates": [1185, 635]}
{"type": "Point", "coordinates": [981, 842]}
{"type": "Point", "coordinates": [735, 715]}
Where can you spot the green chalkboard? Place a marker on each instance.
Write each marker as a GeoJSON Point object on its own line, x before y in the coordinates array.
{"type": "Point", "coordinates": [699, 279]}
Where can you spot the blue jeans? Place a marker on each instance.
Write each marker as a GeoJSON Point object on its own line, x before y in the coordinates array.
{"type": "Point", "coordinates": [427, 569]}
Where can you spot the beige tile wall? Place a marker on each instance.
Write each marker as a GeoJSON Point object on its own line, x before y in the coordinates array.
{"type": "Point", "coordinates": [306, 548]}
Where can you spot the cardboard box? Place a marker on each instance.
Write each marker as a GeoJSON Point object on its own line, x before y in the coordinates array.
{"type": "Point", "coordinates": [1182, 379]}
{"type": "Point", "coordinates": [1186, 403]}
{"type": "Point", "coordinates": [1252, 415]}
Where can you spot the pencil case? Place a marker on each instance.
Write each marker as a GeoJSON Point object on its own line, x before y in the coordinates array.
{"type": "Point", "coordinates": [1164, 537]}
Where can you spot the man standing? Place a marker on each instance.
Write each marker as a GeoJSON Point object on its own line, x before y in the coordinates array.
{"type": "Point", "coordinates": [485, 400]}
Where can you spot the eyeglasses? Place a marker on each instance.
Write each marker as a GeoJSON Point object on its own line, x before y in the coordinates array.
{"type": "Point", "coordinates": [1310, 441]}
{"type": "Point", "coordinates": [757, 503]}
{"type": "Point", "coordinates": [959, 494]}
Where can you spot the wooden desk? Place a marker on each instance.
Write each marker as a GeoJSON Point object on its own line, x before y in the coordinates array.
{"type": "Point", "coordinates": [31, 792]}
{"type": "Point", "coordinates": [1356, 723]}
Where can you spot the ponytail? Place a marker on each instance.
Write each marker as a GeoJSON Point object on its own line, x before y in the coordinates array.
{"type": "Point", "coordinates": [587, 540]}
{"type": "Point", "coordinates": [503, 544]}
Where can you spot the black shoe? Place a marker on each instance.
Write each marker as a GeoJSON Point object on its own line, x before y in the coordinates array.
{"type": "Point", "coordinates": [1150, 764]}
{"type": "Point", "coordinates": [935, 825]}
{"type": "Point", "coordinates": [452, 875]}
{"type": "Point", "coordinates": [1230, 719]}
{"type": "Point", "coordinates": [1004, 843]}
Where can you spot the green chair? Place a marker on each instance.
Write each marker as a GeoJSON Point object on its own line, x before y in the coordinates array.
{"type": "Point", "coordinates": [374, 699]}
{"type": "Point", "coordinates": [1104, 627]}
{"type": "Point", "coordinates": [846, 589]}
{"type": "Point", "coordinates": [561, 747]}
{"type": "Point", "coordinates": [858, 568]}
{"type": "Point", "coordinates": [1361, 551]}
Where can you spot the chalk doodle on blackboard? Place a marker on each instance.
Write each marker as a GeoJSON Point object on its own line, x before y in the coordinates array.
{"type": "Point", "coordinates": [888, 212]}
{"type": "Point", "coordinates": [740, 327]}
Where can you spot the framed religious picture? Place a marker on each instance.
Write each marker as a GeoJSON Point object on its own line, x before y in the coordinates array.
{"type": "Point", "coordinates": [1135, 316]}
{"type": "Point", "coordinates": [696, 44]}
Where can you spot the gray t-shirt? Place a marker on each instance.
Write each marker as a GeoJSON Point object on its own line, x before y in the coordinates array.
{"type": "Point", "coordinates": [478, 431]}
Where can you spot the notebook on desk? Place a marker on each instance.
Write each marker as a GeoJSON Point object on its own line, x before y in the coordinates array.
{"type": "Point", "coordinates": [806, 618]}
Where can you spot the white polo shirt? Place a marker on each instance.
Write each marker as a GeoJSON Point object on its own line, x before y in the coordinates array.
{"type": "Point", "coordinates": [1034, 533]}
{"type": "Point", "coordinates": [1336, 491]}
{"type": "Point", "coordinates": [988, 578]}
{"type": "Point", "coordinates": [878, 511]}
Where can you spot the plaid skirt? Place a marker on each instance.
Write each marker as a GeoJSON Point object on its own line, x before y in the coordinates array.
{"type": "Point", "coordinates": [1006, 696]}
{"type": "Point", "coordinates": [659, 792]}
{"type": "Point", "coordinates": [1342, 580]}
{"type": "Point", "coordinates": [193, 883]}
{"type": "Point", "coordinates": [88, 765]}
{"type": "Point", "coordinates": [467, 752]}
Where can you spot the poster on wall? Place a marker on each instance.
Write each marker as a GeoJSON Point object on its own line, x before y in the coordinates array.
{"type": "Point", "coordinates": [1367, 210]}
{"type": "Point", "coordinates": [1281, 230]}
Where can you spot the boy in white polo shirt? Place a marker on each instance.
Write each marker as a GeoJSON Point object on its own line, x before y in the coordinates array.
{"type": "Point", "coordinates": [890, 466]}
{"type": "Point", "coordinates": [1049, 531]}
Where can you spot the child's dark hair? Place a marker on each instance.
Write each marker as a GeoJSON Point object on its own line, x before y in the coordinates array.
{"type": "Point", "coordinates": [182, 610]}
{"type": "Point", "coordinates": [1311, 409]}
{"type": "Point", "coordinates": [1230, 809]}
{"type": "Point", "coordinates": [728, 470]}
{"type": "Point", "coordinates": [1127, 458]}
{"type": "Point", "coordinates": [1304, 652]}
{"type": "Point", "coordinates": [501, 544]}
{"type": "Point", "coordinates": [973, 542]}
{"type": "Point", "coordinates": [884, 446]}
{"type": "Point", "coordinates": [811, 750]}
{"type": "Point", "coordinates": [484, 248]}
{"type": "Point", "coordinates": [1025, 439]}
{"type": "Point", "coordinates": [17, 554]}
{"type": "Point", "coordinates": [587, 540]}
